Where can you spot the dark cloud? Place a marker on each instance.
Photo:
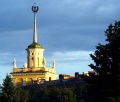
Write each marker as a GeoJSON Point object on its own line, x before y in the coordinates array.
{"type": "Point", "coordinates": [62, 25]}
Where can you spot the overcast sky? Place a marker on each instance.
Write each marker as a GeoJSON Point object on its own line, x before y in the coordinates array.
{"type": "Point", "coordinates": [68, 30]}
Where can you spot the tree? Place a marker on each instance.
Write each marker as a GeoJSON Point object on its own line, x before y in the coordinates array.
{"type": "Point", "coordinates": [10, 93]}
{"type": "Point", "coordinates": [23, 95]}
{"type": "Point", "coordinates": [55, 95]}
{"type": "Point", "coordinates": [68, 96]}
{"type": "Point", "coordinates": [107, 63]}
{"type": "Point", "coordinates": [51, 94]}
{"type": "Point", "coordinates": [80, 92]}
{"type": "Point", "coordinates": [38, 94]}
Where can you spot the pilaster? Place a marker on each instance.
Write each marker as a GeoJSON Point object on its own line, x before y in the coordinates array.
{"type": "Point", "coordinates": [14, 81]}
{"type": "Point", "coordinates": [24, 81]}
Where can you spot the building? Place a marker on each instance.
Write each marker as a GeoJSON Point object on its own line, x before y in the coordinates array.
{"type": "Point", "coordinates": [64, 81]}
{"type": "Point", "coordinates": [35, 69]}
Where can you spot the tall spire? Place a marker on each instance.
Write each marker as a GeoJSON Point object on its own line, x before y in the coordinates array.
{"type": "Point", "coordinates": [14, 63]}
{"type": "Point", "coordinates": [35, 9]}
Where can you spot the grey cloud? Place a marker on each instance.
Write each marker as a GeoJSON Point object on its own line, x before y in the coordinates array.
{"type": "Point", "coordinates": [65, 24]}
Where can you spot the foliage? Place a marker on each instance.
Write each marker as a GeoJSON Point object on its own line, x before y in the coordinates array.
{"type": "Point", "coordinates": [68, 96]}
{"type": "Point", "coordinates": [23, 95]}
{"type": "Point", "coordinates": [107, 65]}
{"type": "Point", "coordinates": [112, 99]}
{"type": "Point", "coordinates": [38, 94]}
{"type": "Point", "coordinates": [54, 94]}
{"type": "Point", "coordinates": [10, 93]}
{"type": "Point", "coordinates": [80, 92]}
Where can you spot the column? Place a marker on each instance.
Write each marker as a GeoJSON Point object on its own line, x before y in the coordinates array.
{"type": "Point", "coordinates": [14, 81]}
{"type": "Point", "coordinates": [24, 81]}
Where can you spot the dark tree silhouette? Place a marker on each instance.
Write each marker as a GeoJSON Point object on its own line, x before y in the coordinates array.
{"type": "Point", "coordinates": [10, 93]}
{"type": "Point", "coordinates": [107, 64]}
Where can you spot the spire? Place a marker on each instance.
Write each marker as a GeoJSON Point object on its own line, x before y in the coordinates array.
{"type": "Point", "coordinates": [14, 63]}
{"type": "Point", "coordinates": [35, 9]}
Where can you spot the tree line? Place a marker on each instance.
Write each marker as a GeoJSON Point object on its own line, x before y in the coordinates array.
{"type": "Point", "coordinates": [10, 93]}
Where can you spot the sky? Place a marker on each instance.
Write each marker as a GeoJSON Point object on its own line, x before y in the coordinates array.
{"type": "Point", "coordinates": [68, 30]}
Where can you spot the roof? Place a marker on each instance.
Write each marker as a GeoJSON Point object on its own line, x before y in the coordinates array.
{"type": "Point", "coordinates": [35, 45]}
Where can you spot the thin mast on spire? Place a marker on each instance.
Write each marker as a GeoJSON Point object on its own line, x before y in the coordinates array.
{"type": "Point", "coordinates": [35, 9]}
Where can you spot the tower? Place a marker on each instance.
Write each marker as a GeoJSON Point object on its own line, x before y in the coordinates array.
{"type": "Point", "coordinates": [35, 69]}
{"type": "Point", "coordinates": [35, 50]}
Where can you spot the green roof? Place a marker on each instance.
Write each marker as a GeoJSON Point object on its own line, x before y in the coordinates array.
{"type": "Point", "coordinates": [35, 45]}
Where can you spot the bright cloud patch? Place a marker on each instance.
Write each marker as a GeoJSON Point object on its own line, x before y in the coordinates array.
{"type": "Point", "coordinates": [71, 56]}
{"type": "Point", "coordinates": [70, 62]}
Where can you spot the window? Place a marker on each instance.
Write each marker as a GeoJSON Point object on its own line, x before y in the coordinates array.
{"type": "Point", "coordinates": [49, 78]}
{"type": "Point", "coordinates": [32, 62]}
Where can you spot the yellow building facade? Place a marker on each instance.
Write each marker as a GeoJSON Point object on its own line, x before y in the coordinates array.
{"type": "Point", "coordinates": [35, 69]}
